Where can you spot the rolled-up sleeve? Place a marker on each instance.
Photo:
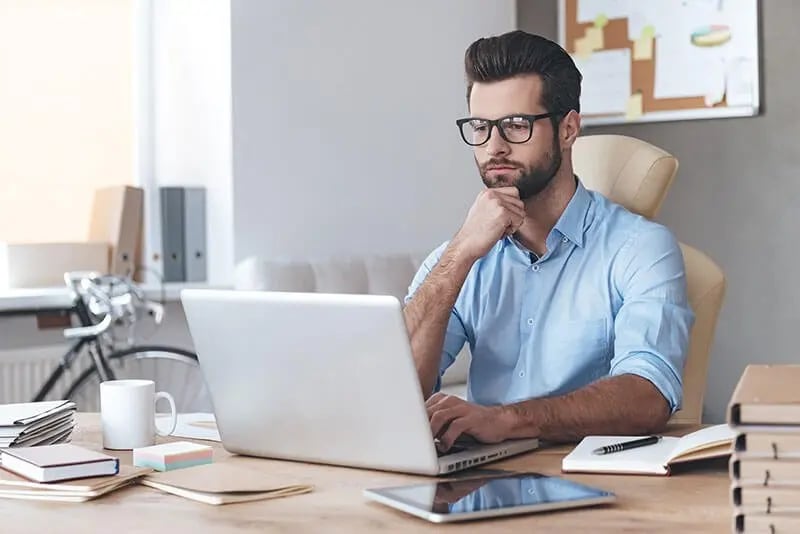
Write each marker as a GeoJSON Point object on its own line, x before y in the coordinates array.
{"type": "Point", "coordinates": [455, 335]}
{"type": "Point", "coordinates": [653, 324]}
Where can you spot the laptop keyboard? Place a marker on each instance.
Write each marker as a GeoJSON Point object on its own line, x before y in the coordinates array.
{"type": "Point", "coordinates": [452, 450]}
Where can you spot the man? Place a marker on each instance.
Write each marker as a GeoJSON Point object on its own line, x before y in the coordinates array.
{"type": "Point", "coordinates": [575, 309]}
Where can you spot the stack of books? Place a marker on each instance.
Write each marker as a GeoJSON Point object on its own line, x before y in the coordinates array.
{"type": "Point", "coordinates": [36, 423]}
{"type": "Point", "coordinates": [765, 464]}
{"type": "Point", "coordinates": [63, 472]}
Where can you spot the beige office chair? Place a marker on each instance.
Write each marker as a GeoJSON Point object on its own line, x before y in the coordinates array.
{"type": "Point", "coordinates": [637, 175]}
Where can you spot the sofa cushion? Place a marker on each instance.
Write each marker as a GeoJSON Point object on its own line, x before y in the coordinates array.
{"type": "Point", "coordinates": [374, 275]}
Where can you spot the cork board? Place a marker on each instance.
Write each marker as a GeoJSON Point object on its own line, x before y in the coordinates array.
{"type": "Point", "coordinates": [659, 60]}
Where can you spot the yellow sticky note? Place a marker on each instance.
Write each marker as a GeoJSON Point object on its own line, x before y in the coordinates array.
{"type": "Point", "coordinates": [634, 108]}
{"type": "Point", "coordinates": [582, 48]}
{"type": "Point", "coordinates": [594, 36]}
{"type": "Point", "coordinates": [648, 31]}
{"type": "Point", "coordinates": [643, 48]}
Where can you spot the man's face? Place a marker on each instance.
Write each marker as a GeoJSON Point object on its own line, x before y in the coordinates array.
{"type": "Point", "coordinates": [529, 166]}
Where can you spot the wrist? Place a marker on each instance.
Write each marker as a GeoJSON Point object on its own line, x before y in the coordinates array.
{"type": "Point", "coordinates": [461, 252]}
{"type": "Point", "coordinates": [519, 420]}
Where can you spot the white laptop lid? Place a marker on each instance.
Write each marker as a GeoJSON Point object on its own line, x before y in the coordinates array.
{"type": "Point", "coordinates": [313, 377]}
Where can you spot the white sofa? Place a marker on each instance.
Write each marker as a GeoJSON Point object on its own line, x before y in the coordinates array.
{"type": "Point", "coordinates": [377, 275]}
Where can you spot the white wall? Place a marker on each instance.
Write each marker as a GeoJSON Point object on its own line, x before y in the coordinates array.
{"type": "Point", "coordinates": [344, 140]}
{"type": "Point", "coordinates": [186, 112]}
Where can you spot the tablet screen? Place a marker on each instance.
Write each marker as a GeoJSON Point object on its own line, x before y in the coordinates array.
{"type": "Point", "coordinates": [471, 495]}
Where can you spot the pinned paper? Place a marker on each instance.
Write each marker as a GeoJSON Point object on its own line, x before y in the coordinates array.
{"type": "Point", "coordinates": [607, 81]}
{"type": "Point", "coordinates": [643, 48]}
{"type": "Point", "coordinates": [739, 82]}
{"type": "Point", "coordinates": [594, 38]}
{"type": "Point", "coordinates": [634, 108]}
{"type": "Point", "coordinates": [582, 48]}
{"type": "Point", "coordinates": [716, 90]}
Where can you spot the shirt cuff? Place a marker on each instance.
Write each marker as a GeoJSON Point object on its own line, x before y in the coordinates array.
{"type": "Point", "coordinates": [658, 373]}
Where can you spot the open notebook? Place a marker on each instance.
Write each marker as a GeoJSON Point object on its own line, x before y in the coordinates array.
{"type": "Point", "coordinates": [711, 442]}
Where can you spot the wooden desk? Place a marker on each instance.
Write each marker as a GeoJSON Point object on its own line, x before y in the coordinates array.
{"type": "Point", "coordinates": [692, 501]}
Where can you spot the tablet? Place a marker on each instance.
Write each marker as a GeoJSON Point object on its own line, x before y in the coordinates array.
{"type": "Point", "coordinates": [492, 496]}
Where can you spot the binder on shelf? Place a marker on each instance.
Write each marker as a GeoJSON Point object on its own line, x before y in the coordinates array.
{"type": "Point", "coordinates": [117, 214]}
{"type": "Point", "coordinates": [183, 234]}
{"type": "Point", "coordinates": [194, 224]}
{"type": "Point", "coordinates": [172, 234]}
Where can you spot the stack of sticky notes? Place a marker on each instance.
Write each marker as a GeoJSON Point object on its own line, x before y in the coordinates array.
{"type": "Point", "coordinates": [169, 456]}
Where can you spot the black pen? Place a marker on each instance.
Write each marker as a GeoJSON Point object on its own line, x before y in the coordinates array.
{"type": "Point", "coordinates": [626, 445]}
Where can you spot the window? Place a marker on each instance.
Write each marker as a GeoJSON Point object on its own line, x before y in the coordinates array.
{"type": "Point", "coordinates": [66, 113]}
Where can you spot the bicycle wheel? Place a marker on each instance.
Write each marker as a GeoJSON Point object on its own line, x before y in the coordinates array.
{"type": "Point", "coordinates": [173, 370]}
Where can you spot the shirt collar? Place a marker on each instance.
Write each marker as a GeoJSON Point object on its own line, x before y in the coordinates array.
{"type": "Point", "coordinates": [572, 224]}
{"type": "Point", "coordinates": [574, 219]}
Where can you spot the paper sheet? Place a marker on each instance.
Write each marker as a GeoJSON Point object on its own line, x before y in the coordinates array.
{"type": "Point", "coordinates": [678, 59]}
{"type": "Point", "coordinates": [583, 49]}
{"type": "Point", "coordinates": [594, 37]}
{"type": "Point", "coordinates": [193, 426]}
{"type": "Point", "coordinates": [606, 81]}
{"type": "Point", "coordinates": [643, 48]}
{"type": "Point", "coordinates": [634, 110]}
{"type": "Point", "coordinates": [739, 83]}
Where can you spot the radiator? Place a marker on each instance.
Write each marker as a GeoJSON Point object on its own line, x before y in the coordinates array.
{"type": "Point", "coordinates": [24, 371]}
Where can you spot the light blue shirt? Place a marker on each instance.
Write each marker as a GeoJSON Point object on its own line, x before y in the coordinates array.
{"type": "Point", "coordinates": [607, 298]}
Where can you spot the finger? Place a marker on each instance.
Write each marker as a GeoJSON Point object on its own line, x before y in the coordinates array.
{"type": "Point", "coordinates": [514, 223]}
{"type": "Point", "coordinates": [505, 195]}
{"type": "Point", "coordinates": [433, 399]}
{"type": "Point", "coordinates": [516, 211]}
{"type": "Point", "coordinates": [513, 228]}
{"type": "Point", "coordinates": [432, 406]}
{"type": "Point", "coordinates": [457, 427]}
{"type": "Point", "coordinates": [509, 191]}
{"type": "Point", "coordinates": [442, 418]}
{"type": "Point", "coordinates": [512, 201]}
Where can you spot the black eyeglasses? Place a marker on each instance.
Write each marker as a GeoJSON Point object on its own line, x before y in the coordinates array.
{"type": "Point", "coordinates": [513, 128]}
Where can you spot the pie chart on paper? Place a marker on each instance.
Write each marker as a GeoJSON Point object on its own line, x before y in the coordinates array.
{"type": "Point", "coordinates": [714, 35]}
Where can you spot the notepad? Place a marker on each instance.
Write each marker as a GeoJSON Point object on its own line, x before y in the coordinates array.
{"type": "Point", "coordinates": [170, 456]}
{"type": "Point", "coordinates": [223, 483]}
{"type": "Point", "coordinates": [16, 487]}
{"type": "Point", "coordinates": [711, 442]}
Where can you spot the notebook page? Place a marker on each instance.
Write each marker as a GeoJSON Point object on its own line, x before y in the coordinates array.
{"type": "Point", "coordinates": [648, 459]}
{"type": "Point", "coordinates": [702, 439]}
{"type": "Point", "coordinates": [12, 415]}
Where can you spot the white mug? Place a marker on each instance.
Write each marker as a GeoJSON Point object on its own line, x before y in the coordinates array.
{"type": "Point", "coordinates": [128, 413]}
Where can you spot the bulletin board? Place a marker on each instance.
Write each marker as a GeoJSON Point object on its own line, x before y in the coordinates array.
{"type": "Point", "coordinates": [662, 60]}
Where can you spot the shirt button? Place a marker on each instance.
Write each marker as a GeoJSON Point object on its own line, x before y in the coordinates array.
{"type": "Point", "coordinates": [522, 373]}
{"type": "Point", "coordinates": [530, 322]}
{"type": "Point", "coordinates": [535, 268]}
{"type": "Point", "coordinates": [564, 240]}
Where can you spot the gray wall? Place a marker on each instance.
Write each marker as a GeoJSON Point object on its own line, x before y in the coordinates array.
{"type": "Point", "coordinates": [735, 198]}
{"type": "Point", "coordinates": [343, 124]}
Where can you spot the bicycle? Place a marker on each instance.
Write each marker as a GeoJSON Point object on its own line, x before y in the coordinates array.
{"type": "Point", "coordinates": [103, 305]}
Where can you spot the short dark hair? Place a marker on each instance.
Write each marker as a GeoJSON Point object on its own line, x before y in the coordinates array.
{"type": "Point", "coordinates": [493, 59]}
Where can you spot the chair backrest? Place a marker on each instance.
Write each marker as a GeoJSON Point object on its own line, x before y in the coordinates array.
{"type": "Point", "coordinates": [637, 175]}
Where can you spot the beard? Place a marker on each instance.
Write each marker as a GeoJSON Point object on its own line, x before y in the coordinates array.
{"type": "Point", "coordinates": [534, 178]}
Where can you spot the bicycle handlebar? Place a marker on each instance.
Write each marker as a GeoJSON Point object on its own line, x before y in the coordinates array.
{"type": "Point", "coordinates": [86, 284]}
{"type": "Point", "coordinates": [89, 331]}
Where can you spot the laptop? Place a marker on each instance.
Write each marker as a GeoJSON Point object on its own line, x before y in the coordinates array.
{"type": "Point", "coordinates": [323, 378]}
